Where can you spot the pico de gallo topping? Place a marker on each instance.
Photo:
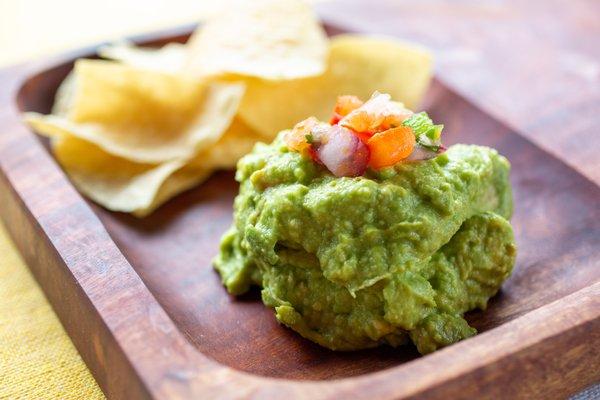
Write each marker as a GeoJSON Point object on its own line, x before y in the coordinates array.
{"type": "Point", "coordinates": [374, 134]}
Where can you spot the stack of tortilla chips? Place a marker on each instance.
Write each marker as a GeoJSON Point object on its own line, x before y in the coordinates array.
{"type": "Point", "coordinates": [137, 130]}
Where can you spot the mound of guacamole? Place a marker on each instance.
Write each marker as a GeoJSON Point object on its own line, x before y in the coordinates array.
{"type": "Point", "coordinates": [395, 255]}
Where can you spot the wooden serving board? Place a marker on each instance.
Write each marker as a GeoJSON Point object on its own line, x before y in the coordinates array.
{"type": "Point", "coordinates": [149, 316]}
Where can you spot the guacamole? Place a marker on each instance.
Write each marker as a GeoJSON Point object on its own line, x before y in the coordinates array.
{"type": "Point", "coordinates": [398, 254]}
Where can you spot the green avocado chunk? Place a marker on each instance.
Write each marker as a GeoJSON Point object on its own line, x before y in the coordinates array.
{"type": "Point", "coordinates": [396, 255]}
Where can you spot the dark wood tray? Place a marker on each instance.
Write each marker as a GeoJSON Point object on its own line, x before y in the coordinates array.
{"type": "Point", "coordinates": [149, 316]}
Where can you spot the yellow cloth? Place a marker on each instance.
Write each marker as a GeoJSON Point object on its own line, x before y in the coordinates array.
{"type": "Point", "coordinates": [37, 358]}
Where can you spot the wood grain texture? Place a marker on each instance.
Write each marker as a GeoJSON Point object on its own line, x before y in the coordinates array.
{"type": "Point", "coordinates": [533, 64]}
{"type": "Point", "coordinates": [148, 314]}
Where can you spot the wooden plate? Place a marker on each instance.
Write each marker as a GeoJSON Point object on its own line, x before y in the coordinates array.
{"type": "Point", "coordinates": [150, 318]}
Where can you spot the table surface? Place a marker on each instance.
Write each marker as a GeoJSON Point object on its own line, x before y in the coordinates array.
{"type": "Point", "coordinates": [534, 64]}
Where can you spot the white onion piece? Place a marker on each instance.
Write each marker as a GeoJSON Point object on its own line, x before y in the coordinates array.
{"type": "Point", "coordinates": [342, 152]}
{"type": "Point", "coordinates": [319, 133]}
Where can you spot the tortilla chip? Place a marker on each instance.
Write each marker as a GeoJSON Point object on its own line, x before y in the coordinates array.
{"type": "Point", "coordinates": [65, 96]}
{"type": "Point", "coordinates": [143, 116]}
{"type": "Point", "coordinates": [125, 185]}
{"type": "Point", "coordinates": [182, 180]}
{"type": "Point", "coordinates": [233, 145]}
{"type": "Point", "coordinates": [270, 39]}
{"type": "Point", "coordinates": [122, 185]}
{"type": "Point", "coordinates": [358, 65]}
{"type": "Point", "coordinates": [115, 183]}
{"type": "Point", "coordinates": [169, 58]}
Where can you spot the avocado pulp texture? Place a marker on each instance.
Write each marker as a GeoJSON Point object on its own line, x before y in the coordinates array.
{"type": "Point", "coordinates": [396, 255]}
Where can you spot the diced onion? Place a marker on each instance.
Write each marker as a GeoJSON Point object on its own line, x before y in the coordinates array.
{"type": "Point", "coordinates": [342, 152]}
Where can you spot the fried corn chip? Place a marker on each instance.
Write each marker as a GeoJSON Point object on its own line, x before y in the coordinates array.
{"type": "Point", "coordinates": [65, 94]}
{"type": "Point", "coordinates": [113, 182]}
{"type": "Point", "coordinates": [233, 145]}
{"type": "Point", "coordinates": [180, 181]}
{"type": "Point", "coordinates": [169, 58]}
{"type": "Point", "coordinates": [142, 116]}
{"type": "Point", "coordinates": [139, 188]}
{"type": "Point", "coordinates": [118, 182]}
{"type": "Point", "coordinates": [358, 65]}
{"type": "Point", "coordinates": [270, 39]}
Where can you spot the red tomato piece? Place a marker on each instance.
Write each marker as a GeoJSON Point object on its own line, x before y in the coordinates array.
{"type": "Point", "coordinates": [391, 146]}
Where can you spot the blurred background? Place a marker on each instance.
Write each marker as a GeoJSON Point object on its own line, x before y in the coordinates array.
{"type": "Point", "coordinates": [35, 28]}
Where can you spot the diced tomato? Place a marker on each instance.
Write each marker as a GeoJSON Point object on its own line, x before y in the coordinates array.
{"type": "Point", "coordinates": [335, 118]}
{"type": "Point", "coordinates": [363, 136]}
{"type": "Point", "coordinates": [378, 114]}
{"type": "Point", "coordinates": [296, 139]}
{"type": "Point", "coordinates": [346, 104]}
{"type": "Point", "coordinates": [343, 106]}
{"type": "Point", "coordinates": [391, 146]}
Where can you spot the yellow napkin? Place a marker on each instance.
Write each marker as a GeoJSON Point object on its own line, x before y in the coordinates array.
{"type": "Point", "coordinates": [37, 358]}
